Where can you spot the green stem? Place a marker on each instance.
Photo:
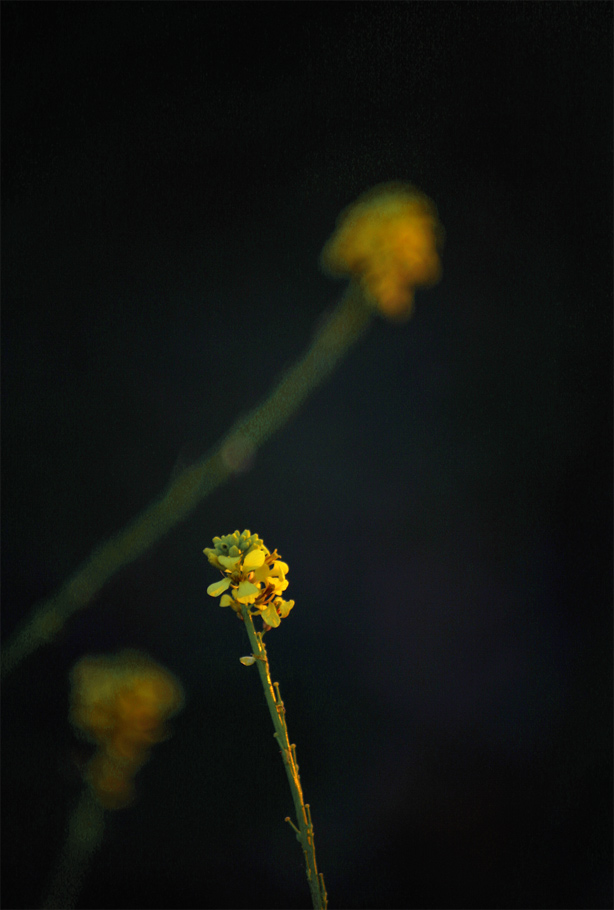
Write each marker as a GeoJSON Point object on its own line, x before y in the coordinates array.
{"type": "Point", "coordinates": [85, 831]}
{"type": "Point", "coordinates": [304, 832]}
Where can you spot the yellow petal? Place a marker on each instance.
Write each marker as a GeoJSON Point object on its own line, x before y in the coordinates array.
{"type": "Point", "coordinates": [218, 587]}
{"type": "Point", "coordinates": [284, 606]}
{"type": "Point", "coordinates": [248, 661]}
{"type": "Point", "coordinates": [254, 559]}
{"type": "Point", "coordinates": [225, 600]}
{"type": "Point", "coordinates": [261, 574]}
{"type": "Point", "coordinates": [246, 592]}
{"type": "Point", "coordinates": [270, 616]}
{"type": "Point", "coordinates": [279, 586]}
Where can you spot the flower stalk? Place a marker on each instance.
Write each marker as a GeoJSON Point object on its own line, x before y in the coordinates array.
{"type": "Point", "coordinates": [277, 710]}
{"type": "Point", "coordinates": [253, 580]}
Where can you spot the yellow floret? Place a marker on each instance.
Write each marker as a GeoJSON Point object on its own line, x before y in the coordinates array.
{"type": "Point", "coordinates": [122, 704]}
{"type": "Point", "coordinates": [389, 241]}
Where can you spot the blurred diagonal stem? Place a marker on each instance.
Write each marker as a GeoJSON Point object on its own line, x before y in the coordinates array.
{"type": "Point", "coordinates": [339, 331]}
{"type": "Point", "coordinates": [304, 832]}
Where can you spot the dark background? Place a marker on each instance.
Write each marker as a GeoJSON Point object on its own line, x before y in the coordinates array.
{"type": "Point", "coordinates": [171, 173]}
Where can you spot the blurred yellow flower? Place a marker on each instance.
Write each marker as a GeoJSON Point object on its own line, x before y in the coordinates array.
{"type": "Point", "coordinates": [253, 576]}
{"type": "Point", "coordinates": [389, 241]}
{"type": "Point", "coordinates": [121, 703]}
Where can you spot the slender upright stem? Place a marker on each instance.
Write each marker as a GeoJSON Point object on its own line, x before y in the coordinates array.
{"type": "Point", "coordinates": [304, 832]}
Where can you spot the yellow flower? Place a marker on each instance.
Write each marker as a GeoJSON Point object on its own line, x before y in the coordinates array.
{"type": "Point", "coordinates": [252, 576]}
{"type": "Point", "coordinates": [121, 703]}
{"type": "Point", "coordinates": [274, 575]}
{"type": "Point", "coordinates": [388, 240]}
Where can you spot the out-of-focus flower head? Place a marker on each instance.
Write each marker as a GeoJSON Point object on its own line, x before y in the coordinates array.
{"type": "Point", "coordinates": [121, 703]}
{"type": "Point", "coordinates": [252, 575]}
{"type": "Point", "coordinates": [388, 240]}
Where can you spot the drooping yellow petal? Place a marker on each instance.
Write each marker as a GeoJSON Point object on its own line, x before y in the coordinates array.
{"type": "Point", "coordinates": [284, 606]}
{"type": "Point", "coordinates": [270, 616]}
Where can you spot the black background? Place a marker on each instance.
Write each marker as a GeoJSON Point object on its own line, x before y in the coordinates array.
{"type": "Point", "coordinates": [171, 173]}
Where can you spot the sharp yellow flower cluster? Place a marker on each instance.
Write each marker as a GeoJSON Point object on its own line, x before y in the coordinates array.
{"type": "Point", "coordinates": [252, 575]}
{"type": "Point", "coordinates": [121, 703]}
{"type": "Point", "coordinates": [388, 240]}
